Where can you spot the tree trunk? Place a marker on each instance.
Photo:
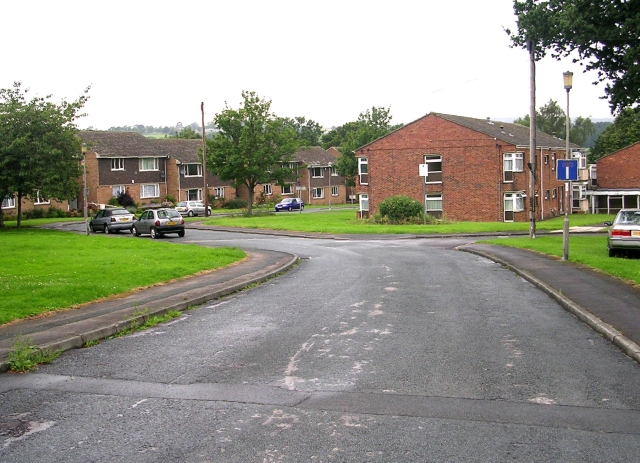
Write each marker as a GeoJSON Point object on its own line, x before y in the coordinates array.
{"type": "Point", "coordinates": [19, 217]}
{"type": "Point", "coordinates": [251, 189]}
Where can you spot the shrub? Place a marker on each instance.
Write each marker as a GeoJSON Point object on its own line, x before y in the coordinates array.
{"type": "Point", "coordinates": [400, 209]}
{"type": "Point", "coordinates": [235, 203]}
{"type": "Point", "coordinates": [170, 199]}
{"type": "Point", "coordinates": [125, 200]}
{"type": "Point", "coordinates": [55, 212]}
{"type": "Point", "coordinates": [113, 201]}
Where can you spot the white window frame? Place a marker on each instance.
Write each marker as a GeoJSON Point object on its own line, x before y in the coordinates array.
{"type": "Point", "coordinates": [198, 194]}
{"type": "Point", "coordinates": [145, 168]}
{"type": "Point", "coordinates": [318, 169]}
{"type": "Point", "coordinates": [553, 194]}
{"type": "Point", "coordinates": [582, 159]}
{"type": "Point", "coordinates": [334, 171]}
{"type": "Point", "coordinates": [117, 163]}
{"type": "Point", "coordinates": [9, 202]}
{"type": "Point", "coordinates": [145, 194]}
{"type": "Point", "coordinates": [579, 191]}
{"type": "Point", "coordinates": [516, 201]}
{"type": "Point", "coordinates": [267, 189]}
{"type": "Point", "coordinates": [512, 162]}
{"type": "Point", "coordinates": [433, 197]}
{"type": "Point", "coordinates": [287, 189]}
{"type": "Point", "coordinates": [363, 202]}
{"type": "Point", "coordinates": [430, 159]}
{"type": "Point", "coordinates": [315, 191]}
{"type": "Point", "coordinates": [198, 170]}
{"type": "Point", "coordinates": [335, 191]}
{"type": "Point", "coordinates": [553, 161]}
{"type": "Point", "coordinates": [116, 190]}
{"type": "Point", "coordinates": [218, 192]}
{"type": "Point", "coordinates": [37, 200]}
{"type": "Point", "coordinates": [363, 169]}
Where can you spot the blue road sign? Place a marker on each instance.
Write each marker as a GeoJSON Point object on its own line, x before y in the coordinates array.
{"type": "Point", "coordinates": [567, 170]}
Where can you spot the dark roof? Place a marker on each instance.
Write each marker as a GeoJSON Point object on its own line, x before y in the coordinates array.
{"type": "Point", "coordinates": [515, 134]}
{"type": "Point", "coordinates": [314, 156]}
{"type": "Point", "coordinates": [109, 144]}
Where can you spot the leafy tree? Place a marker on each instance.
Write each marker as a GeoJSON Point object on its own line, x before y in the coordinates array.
{"type": "Point", "coordinates": [604, 34]}
{"type": "Point", "coordinates": [371, 125]}
{"type": "Point", "coordinates": [552, 119]}
{"type": "Point", "coordinates": [188, 133]}
{"type": "Point", "coordinates": [253, 146]}
{"type": "Point", "coordinates": [624, 131]}
{"type": "Point", "coordinates": [308, 132]}
{"type": "Point", "coordinates": [40, 152]}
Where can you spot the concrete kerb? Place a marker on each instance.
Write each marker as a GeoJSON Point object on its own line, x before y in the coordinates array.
{"type": "Point", "coordinates": [607, 331]}
{"type": "Point", "coordinates": [139, 315]}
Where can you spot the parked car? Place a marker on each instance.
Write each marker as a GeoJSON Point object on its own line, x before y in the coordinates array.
{"type": "Point", "coordinates": [191, 208]}
{"type": "Point", "coordinates": [112, 220]}
{"type": "Point", "coordinates": [158, 222]}
{"type": "Point", "coordinates": [624, 231]}
{"type": "Point", "coordinates": [290, 204]}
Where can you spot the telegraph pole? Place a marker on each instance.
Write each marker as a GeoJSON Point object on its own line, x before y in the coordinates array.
{"type": "Point", "coordinates": [204, 164]}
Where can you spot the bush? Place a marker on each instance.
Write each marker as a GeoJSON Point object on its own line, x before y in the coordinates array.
{"type": "Point", "coordinates": [55, 212]}
{"type": "Point", "coordinates": [36, 213]}
{"type": "Point", "coordinates": [125, 200]}
{"type": "Point", "coordinates": [235, 203]}
{"type": "Point", "coordinates": [400, 209]}
{"type": "Point", "coordinates": [113, 201]}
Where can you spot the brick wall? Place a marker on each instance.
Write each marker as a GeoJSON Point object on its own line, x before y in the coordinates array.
{"type": "Point", "coordinates": [620, 169]}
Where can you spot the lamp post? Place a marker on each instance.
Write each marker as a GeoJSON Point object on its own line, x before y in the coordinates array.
{"type": "Point", "coordinates": [330, 193]}
{"type": "Point", "coordinates": [84, 189]}
{"type": "Point", "coordinates": [568, 81]}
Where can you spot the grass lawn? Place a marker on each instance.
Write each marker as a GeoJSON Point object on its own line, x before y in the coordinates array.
{"type": "Point", "coordinates": [587, 250]}
{"type": "Point", "coordinates": [48, 270]}
{"type": "Point", "coordinates": [345, 222]}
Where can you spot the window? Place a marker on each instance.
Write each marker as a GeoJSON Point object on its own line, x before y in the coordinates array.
{"type": "Point", "coordinates": [364, 202]}
{"type": "Point", "coordinates": [553, 194]}
{"type": "Point", "coordinates": [546, 159]}
{"type": "Point", "coordinates": [195, 194]}
{"type": "Point", "coordinates": [546, 194]}
{"type": "Point", "coordinates": [434, 169]}
{"type": "Point", "coordinates": [582, 159]}
{"type": "Point", "coordinates": [287, 189]}
{"type": "Point", "coordinates": [150, 190]}
{"type": "Point", "coordinates": [433, 204]}
{"type": "Point", "coordinates": [117, 164]}
{"type": "Point", "coordinates": [149, 164]}
{"type": "Point", "coordinates": [512, 162]}
{"type": "Point", "coordinates": [8, 202]}
{"type": "Point", "coordinates": [117, 190]}
{"type": "Point", "coordinates": [579, 193]}
{"type": "Point", "coordinates": [553, 161]}
{"type": "Point", "coordinates": [218, 192]}
{"type": "Point", "coordinates": [334, 172]}
{"type": "Point", "coordinates": [513, 202]}
{"type": "Point", "coordinates": [317, 193]}
{"type": "Point", "coordinates": [41, 199]}
{"type": "Point", "coordinates": [334, 191]}
{"type": "Point", "coordinates": [363, 171]}
{"type": "Point", "coordinates": [193, 170]}
{"type": "Point", "coordinates": [317, 172]}
{"type": "Point", "coordinates": [266, 189]}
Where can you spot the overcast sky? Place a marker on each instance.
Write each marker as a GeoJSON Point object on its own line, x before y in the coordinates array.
{"type": "Point", "coordinates": [152, 63]}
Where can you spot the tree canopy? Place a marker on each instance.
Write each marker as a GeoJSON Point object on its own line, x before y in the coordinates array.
{"type": "Point", "coordinates": [253, 145]}
{"type": "Point", "coordinates": [624, 131]}
{"type": "Point", "coordinates": [308, 132]}
{"type": "Point", "coordinates": [552, 119]}
{"type": "Point", "coordinates": [370, 125]}
{"type": "Point", "coordinates": [40, 152]}
{"type": "Point", "coordinates": [603, 34]}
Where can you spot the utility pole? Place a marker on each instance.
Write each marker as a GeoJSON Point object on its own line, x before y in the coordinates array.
{"type": "Point", "coordinates": [568, 83]}
{"type": "Point", "coordinates": [532, 141]}
{"type": "Point", "coordinates": [204, 164]}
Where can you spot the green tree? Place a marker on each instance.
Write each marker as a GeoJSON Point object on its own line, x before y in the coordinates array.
{"type": "Point", "coordinates": [308, 132]}
{"type": "Point", "coordinates": [624, 131]}
{"type": "Point", "coordinates": [603, 34]}
{"type": "Point", "coordinates": [552, 119]}
{"type": "Point", "coordinates": [188, 133]}
{"type": "Point", "coordinates": [370, 125]}
{"type": "Point", "coordinates": [40, 151]}
{"type": "Point", "coordinates": [253, 146]}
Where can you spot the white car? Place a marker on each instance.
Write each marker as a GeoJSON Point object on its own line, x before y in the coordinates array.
{"type": "Point", "coordinates": [191, 208]}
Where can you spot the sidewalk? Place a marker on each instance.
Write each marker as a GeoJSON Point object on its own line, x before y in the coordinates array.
{"type": "Point", "coordinates": [72, 329]}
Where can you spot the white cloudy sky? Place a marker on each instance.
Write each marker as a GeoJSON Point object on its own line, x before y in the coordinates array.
{"type": "Point", "coordinates": [153, 62]}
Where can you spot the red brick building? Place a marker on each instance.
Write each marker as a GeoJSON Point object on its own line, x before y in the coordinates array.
{"type": "Point", "coordinates": [477, 169]}
{"type": "Point", "coordinates": [617, 182]}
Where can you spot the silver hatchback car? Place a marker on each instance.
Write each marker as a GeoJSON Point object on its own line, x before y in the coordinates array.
{"type": "Point", "coordinates": [112, 220]}
{"type": "Point", "coordinates": [158, 222]}
{"type": "Point", "coordinates": [624, 232]}
{"type": "Point", "coordinates": [191, 208]}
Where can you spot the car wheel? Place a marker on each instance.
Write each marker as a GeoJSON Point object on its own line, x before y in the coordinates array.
{"type": "Point", "coordinates": [131, 230]}
{"type": "Point", "coordinates": [135, 231]}
{"type": "Point", "coordinates": [106, 229]}
{"type": "Point", "coordinates": [181, 233]}
{"type": "Point", "coordinates": [155, 234]}
{"type": "Point", "coordinates": [91, 228]}
{"type": "Point", "coordinates": [190, 214]}
{"type": "Point", "coordinates": [302, 208]}
{"type": "Point", "coordinates": [612, 252]}
{"type": "Point", "coordinates": [289, 208]}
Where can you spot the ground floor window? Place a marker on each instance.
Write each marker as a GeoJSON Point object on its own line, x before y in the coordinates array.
{"type": "Point", "coordinates": [195, 194]}
{"type": "Point", "coordinates": [317, 193]}
{"type": "Point", "coordinates": [579, 193]}
{"type": "Point", "coordinates": [364, 202]}
{"type": "Point", "coordinates": [267, 189]}
{"type": "Point", "coordinates": [218, 192]}
{"type": "Point", "coordinates": [117, 190]}
{"type": "Point", "coordinates": [287, 189]}
{"type": "Point", "coordinates": [334, 191]}
{"type": "Point", "coordinates": [149, 190]}
{"type": "Point", "coordinates": [8, 203]}
{"type": "Point", "coordinates": [513, 202]}
{"type": "Point", "coordinates": [41, 198]}
{"type": "Point", "coordinates": [433, 204]}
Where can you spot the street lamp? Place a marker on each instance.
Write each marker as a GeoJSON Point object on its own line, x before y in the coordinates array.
{"type": "Point", "coordinates": [568, 81]}
{"type": "Point", "coordinates": [330, 193]}
{"type": "Point", "coordinates": [84, 189]}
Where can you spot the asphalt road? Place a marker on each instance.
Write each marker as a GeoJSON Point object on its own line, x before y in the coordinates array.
{"type": "Point", "coordinates": [392, 350]}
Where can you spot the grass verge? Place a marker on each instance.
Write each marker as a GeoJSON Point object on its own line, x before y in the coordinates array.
{"type": "Point", "coordinates": [48, 270]}
{"type": "Point", "coordinates": [25, 356]}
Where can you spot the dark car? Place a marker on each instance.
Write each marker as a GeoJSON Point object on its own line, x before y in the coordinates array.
{"type": "Point", "coordinates": [112, 220]}
{"type": "Point", "coordinates": [624, 232]}
{"type": "Point", "coordinates": [158, 222]}
{"type": "Point", "coordinates": [290, 204]}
